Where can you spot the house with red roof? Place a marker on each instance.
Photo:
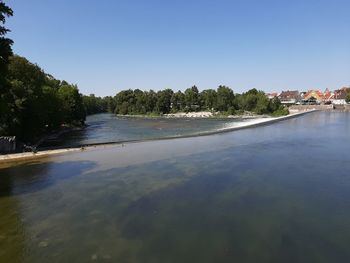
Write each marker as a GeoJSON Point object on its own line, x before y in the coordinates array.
{"type": "Point", "coordinates": [328, 97]}
{"type": "Point", "coordinates": [314, 96]}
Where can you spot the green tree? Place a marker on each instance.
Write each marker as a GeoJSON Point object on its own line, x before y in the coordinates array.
{"type": "Point", "coordinates": [5, 53]}
{"type": "Point", "coordinates": [150, 101]}
{"type": "Point", "coordinates": [124, 101]}
{"type": "Point", "coordinates": [225, 98]}
{"type": "Point", "coordinates": [209, 99]}
{"type": "Point", "coordinates": [164, 101]}
{"type": "Point", "coordinates": [247, 101]}
{"type": "Point", "coordinates": [262, 104]}
{"type": "Point", "coordinates": [177, 101]}
{"type": "Point", "coordinates": [110, 104]}
{"type": "Point", "coordinates": [274, 104]}
{"type": "Point", "coordinates": [38, 103]}
{"type": "Point", "coordinates": [93, 104]}
{"type": "Point", "coordinates": [139, 106]}
{"type": "Point", "coordinates": [28, 117]}
{"type": "Point", "coordinates": [5, 43]}
{"type": "Point", "coordinates": [52, 115]}
{"type": "Point", "coordinates": [347, 99]}
{"type": "Point", "coordinates": [192, 98]}
{"type": "Point", "coordinates": [72, 106]}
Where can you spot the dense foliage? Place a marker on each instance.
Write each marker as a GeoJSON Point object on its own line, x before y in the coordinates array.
{"type": "Point", "coordinates": [36, 102]}
{"type": "Point", "coordinates": [5, 53]}
{"type": "Point", "coordinates": [221, 100]}
{"type": "Point", "coordinates": [347, 99]}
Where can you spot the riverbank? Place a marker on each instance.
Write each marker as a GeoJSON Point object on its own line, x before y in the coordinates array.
{"type": "Point", "coordinates": [197, 115]}
{"type": "Point", "coordinates": [8, 159]}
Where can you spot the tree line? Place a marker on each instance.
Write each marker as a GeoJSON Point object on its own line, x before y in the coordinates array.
{"type": "Point", "coordinates": [222, 99]}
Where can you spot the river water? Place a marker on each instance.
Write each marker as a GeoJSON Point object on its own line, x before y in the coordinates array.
{"type": "Point", "coordinates": [275, 193]}
{"type": "Point", "coordinates": [105, 128]}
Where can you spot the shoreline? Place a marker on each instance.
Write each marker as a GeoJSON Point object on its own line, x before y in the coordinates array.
{"type": "Point", "coordinates": [194, 115]}
{"type": "Point", "coordinates": [256, 122]}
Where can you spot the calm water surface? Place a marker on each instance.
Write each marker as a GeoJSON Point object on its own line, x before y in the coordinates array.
{"type": "Point", "coordinates": [105, 127]}
{"type": "Point", "coordinates": [277, 193]}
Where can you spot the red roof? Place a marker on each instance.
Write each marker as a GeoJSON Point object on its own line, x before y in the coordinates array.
{"type": "Point", "coordinates": [314, 92]}
{"type": "Point", "coordinates": [286, 95]}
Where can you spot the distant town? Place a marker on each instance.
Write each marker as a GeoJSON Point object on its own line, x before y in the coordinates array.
{"type": "Point", "coordinates": [312, 97]}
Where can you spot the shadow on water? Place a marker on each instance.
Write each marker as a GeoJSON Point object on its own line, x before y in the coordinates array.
{"type": "Point", "coordinates": [29, 178]}
{"type": "Point", "coordinates": [236, 205]}
{"type": "Point", "coordinates": [15, 222]}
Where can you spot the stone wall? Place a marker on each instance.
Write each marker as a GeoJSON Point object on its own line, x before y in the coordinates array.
{"type": "Point", "coordinates": [8, 144]}
{"type": "Point", "coordinates": [310, 107]}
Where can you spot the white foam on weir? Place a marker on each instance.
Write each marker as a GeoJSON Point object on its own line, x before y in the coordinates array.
{"type": "Point", "coordinates": [253, 122]}
{"type": "Point", "coordinates": [245, 123]}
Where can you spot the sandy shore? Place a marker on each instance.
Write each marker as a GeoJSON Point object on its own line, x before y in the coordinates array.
{"type": "Point", "coordinates": [248, 123]}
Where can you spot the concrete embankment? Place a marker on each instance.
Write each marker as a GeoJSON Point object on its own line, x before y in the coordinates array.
{"type": "Point", "coordinates": [27, 156]}
{"type": "Point", "coordinates": [342, 107]}
{"type": "Point", "coordinates": [310, 107]}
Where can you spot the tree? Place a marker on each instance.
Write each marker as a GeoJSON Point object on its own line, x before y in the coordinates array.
{"type": "Point", "coordinates": [93, 104]}
{"type": "Point", "coordinates": [150, 101]}
{"type": "Point", "coordinates": [110, 103]}
{"type": "Point", "coordinates": [5, 53]}
{"type": "Point", "coordinates": [192, 98]}
{"type": "Point", "coordinates": [164, 101]}
{"type": "Point", "coordinates": [347, 99]}
{"type": "Point", "coordinates": [124, 101]}
{"type": "Point", "coordinates": [140, 100]}
{"type": "Point", "coordinates": [177, 101]}
{"type": "Point", "coordinates": [247, 101]}
{"type": "Point", "coordinates": [262, 104]}
{"type": "Point", "coordinates": [274, 104]}
{"type": "Point", "coordinates": [209, 99]}
{"type": "Point", "coordinates": [5, 43]}
{"type": "Point", "coordinates": [26, 99]}
{"type": "Point", "coordinates": [225, 98]}
{"type": "Point", "coordinates": [72, 106]}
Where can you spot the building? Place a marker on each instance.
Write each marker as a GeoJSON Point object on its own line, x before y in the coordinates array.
{"type": "Point", "coordinates": [302, 95]}
{"type": "Point", "coordinates": [313, 97]}
{"type": "Point", "coordinates": [289, 97]}
{"type": "Point", "coordinates": [340, 96]}
{"type": "Point", "coordinates": [271, 95]}
{"type": "Point", "coordinates": [328, 97]}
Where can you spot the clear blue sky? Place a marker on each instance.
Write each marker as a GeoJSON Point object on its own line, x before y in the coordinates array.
{"type": "Point", "coordinates": [105, 46]}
